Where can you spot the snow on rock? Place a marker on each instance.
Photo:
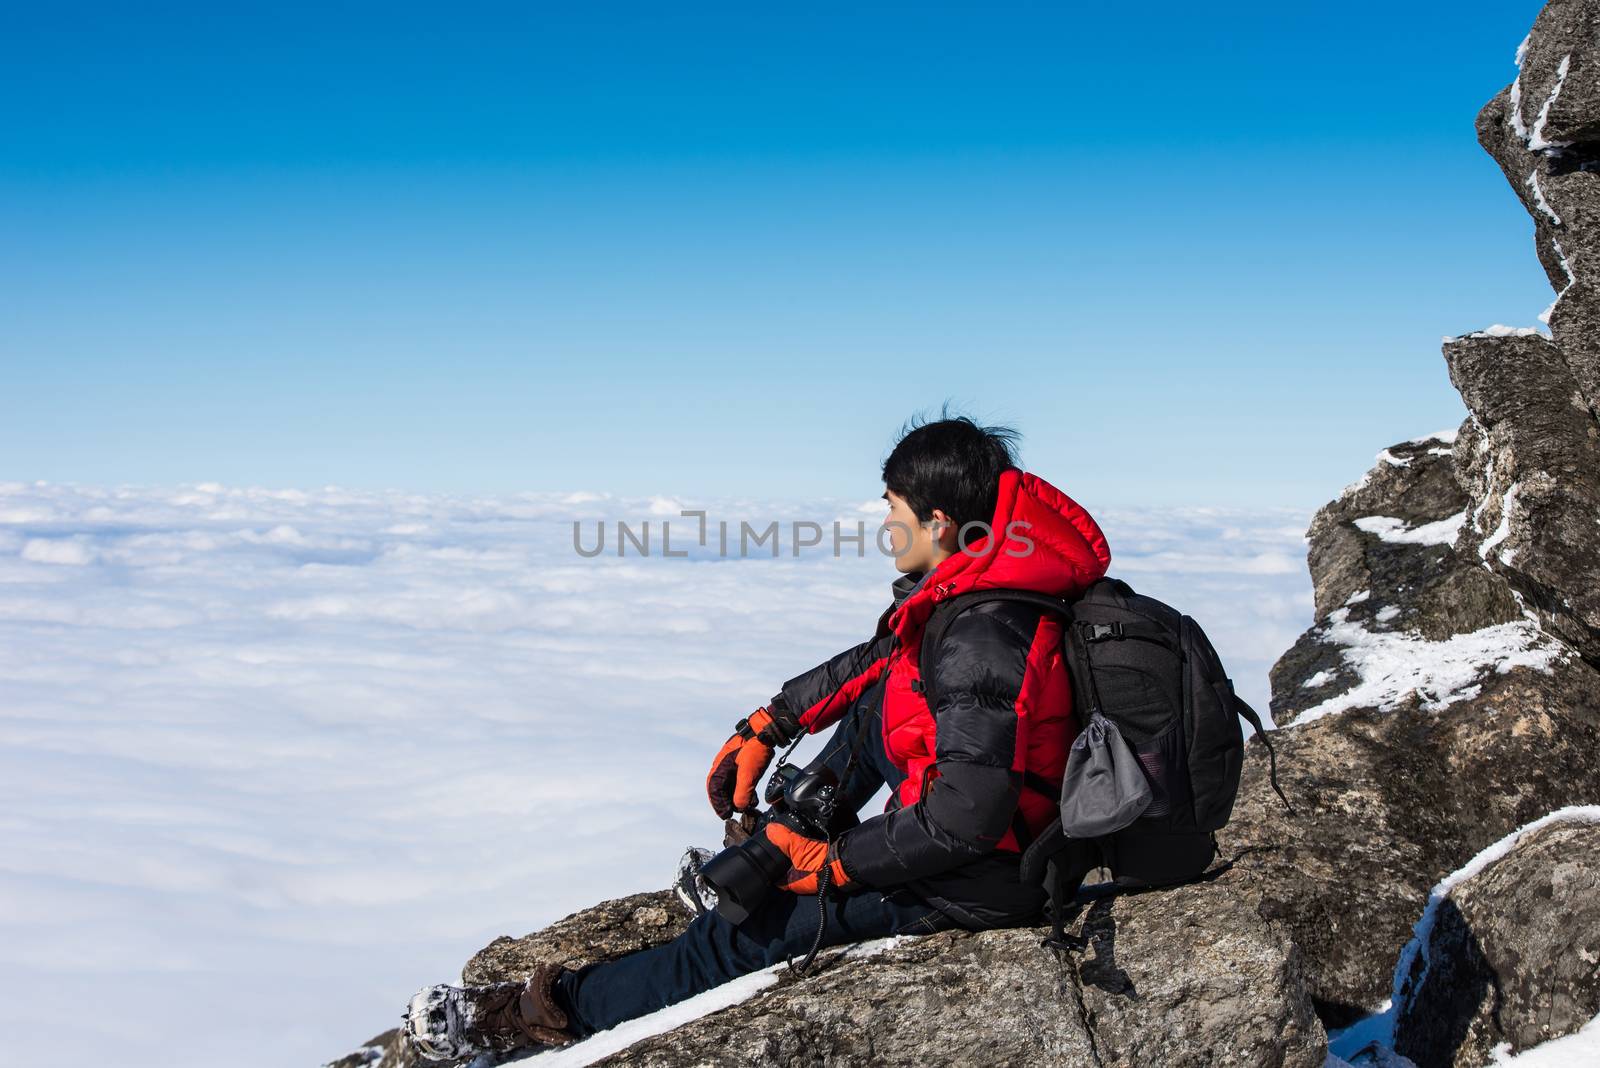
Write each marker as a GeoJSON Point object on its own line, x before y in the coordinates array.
{"type": "Point", "coordinates": [1446, 436]}
{"type": "Point", "coordinates": [1537, 142]}
{"type": "Point", "coordinates": [1497, 330]}
{"type": "Point", "coordinates": [1481, 713]}
{"type": "Point", "coordinates": [1394, 666]}
{"type": "Point", "coordinates": [1538, 198]}
{"type": "Point", "coordinates": [1566, 267]}
{"type": "Point", "coordinates": [1581, 1049]}
{"type": "Point", "coordinates": [1390, 458]}
{"type": "Point", "coordinates": [1415, 954]}
{"type": "Point", "coordinates": [1503, 531]}
{"type": "Point", "coordinates": [1434, 1000]}
{"type": "Point", "coordinates": [1502, 954]}
{"type": "Point", "coordinates": [1439, 532]}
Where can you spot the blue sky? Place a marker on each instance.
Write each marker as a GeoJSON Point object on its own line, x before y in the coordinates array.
{"type": "Point", "coordinates": [1195, 255]}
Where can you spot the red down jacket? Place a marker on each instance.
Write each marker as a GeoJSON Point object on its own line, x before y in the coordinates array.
{"type": "Point", "coordinates": [987, 761]}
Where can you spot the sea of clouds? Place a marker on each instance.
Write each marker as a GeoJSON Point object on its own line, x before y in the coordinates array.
{"type": "Point", "coordinates": [272, 760]}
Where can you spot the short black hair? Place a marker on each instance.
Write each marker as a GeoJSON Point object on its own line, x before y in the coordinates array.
{"type": "Point", "coordinates": [950, 463]}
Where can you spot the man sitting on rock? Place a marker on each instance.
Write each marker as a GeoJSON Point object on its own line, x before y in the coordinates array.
{"type": "Point", "coordinates": [973, 778]}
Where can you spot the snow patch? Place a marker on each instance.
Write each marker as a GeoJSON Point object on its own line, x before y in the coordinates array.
{"type": "Point", "coordinates": [1498, 330]}
{"type": "Point", "coordinates": [1389, 528]}
{"type": "Point", "coordinates": [1572, 279]}
{"type": "Point", "coordinates": [1392, 666]}
{"type": "Point", "coordinates": [1503, 531]}
{"type": "Point", "coordinates": [1536, 138]}
{"type": "Point", "coordinates": [1358, 597]}
{"type": "Point", "coordinates": [1386, 613]}
{"type": "Point", "coordinates": [1581, 1049]}
{"type": "Point", "coordinates": [1446, 436]}
{"type": "Point", "coordinates": [1321, 678]}
{"type": "Point", "coordinates": [1538, 198]}
{"type": "Point", "coordinates": [1515, 111]}
{"type": "Point", "coordinates": [1488, 476]}
{"type": "Point", "coordinates": [1390, 458]}
{"type": "Point", "coordinates": [1364, 1037]}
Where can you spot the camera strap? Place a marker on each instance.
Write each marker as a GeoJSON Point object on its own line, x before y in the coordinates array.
{"type": "Point", "coordinates": [849, 765]}
{"type": "Point", "coordinates": [825, 876]}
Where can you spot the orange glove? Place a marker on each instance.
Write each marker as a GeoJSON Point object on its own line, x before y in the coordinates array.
{"type": "Point", "coordinates": [807, 857]}
{"type": "Point", "coordinates": [743, 758]}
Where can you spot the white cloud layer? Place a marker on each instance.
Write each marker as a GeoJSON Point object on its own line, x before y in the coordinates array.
{"type": "Point", "coordinates": [272, 760]}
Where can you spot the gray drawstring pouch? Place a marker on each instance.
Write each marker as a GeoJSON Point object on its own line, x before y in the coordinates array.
{"type": "Point", "coordinates": [1105, 788]}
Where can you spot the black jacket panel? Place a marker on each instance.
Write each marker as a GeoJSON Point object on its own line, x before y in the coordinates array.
{"type": "Point", "coordinates": [944, 844]}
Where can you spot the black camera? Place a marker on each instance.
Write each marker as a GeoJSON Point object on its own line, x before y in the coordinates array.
{"type": "Point", "coordinates": [744, 874]}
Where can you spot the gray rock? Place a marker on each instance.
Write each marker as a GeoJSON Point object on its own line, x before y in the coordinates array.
{"type": "Point", "coordinates": [1511, 954]}
{"type": "Point", "coordinates": [1530, 459]}
{"type": "Point", "coordinates": [1394, 794]}
{"type": "Point", "coordinates": [608, 930]}
{"type": "Point", "coordinates": [1535, 401]}
{"type": "Point", "coordinates": [1544, 132]}
{"type": "Point", "coordinates": [1192, 976]}
{"type": "Point", "coordinates": [1226, 986]}
{"type": "Point", "coordinates": [1405, 781]}
{"type": "Point", "coordinates": [1388, 802]}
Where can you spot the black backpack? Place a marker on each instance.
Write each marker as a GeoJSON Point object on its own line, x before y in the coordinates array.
{"type": "Point", "coordinates": [1152, 672]}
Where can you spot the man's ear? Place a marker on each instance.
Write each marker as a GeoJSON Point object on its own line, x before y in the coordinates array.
{"type": "Point", "coordinates": [944, 530]}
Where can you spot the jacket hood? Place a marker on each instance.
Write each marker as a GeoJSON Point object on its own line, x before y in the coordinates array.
{"type": "Point", "coordinates": [1040, 539]}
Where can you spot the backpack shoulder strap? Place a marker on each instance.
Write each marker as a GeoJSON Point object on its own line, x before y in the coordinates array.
{"type": "Point", "coordinates": [945, 613]}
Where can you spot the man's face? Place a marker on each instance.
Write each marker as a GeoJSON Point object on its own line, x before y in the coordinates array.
{"type": "Point", "coordinates": [913, 542]}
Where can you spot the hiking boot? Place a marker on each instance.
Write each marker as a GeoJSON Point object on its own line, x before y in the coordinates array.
{"type": "Point", "coordinates": [446, 1023]}
{"type": "Point", "coordinates": [693, 891]}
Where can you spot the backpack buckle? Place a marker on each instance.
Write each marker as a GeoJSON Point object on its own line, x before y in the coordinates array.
{"type": "Point", "coordinates": [1099, 632]}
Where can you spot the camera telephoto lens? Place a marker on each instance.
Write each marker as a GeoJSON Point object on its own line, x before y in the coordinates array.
{"type": "Point", "coordinates": [743, 876]}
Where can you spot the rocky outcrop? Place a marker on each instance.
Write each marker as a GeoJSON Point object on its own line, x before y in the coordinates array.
{"type": "Point", "coordinates": [1508, 953]}
{"type": "Point", "coordinates": [1531, 460]}
{"type": "Point", "coordinates": [1226, 986]}
{"type": "Point", "coordinates": [1189, 977]}
{"type": "Point", "coordinates": [1447, 693]}
{"type": "Point", "coordinates": [608, 930]}
{"type": "Point", "coordinates": [1390, 799]}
